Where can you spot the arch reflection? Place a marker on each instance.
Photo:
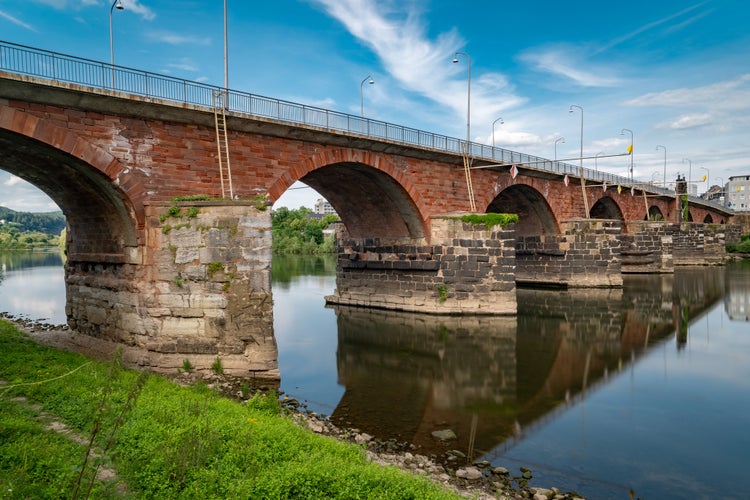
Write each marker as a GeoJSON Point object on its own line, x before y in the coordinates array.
{"type": "Point", "coordinates": [490, 379]}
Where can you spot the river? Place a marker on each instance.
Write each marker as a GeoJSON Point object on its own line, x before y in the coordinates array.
{"type": "Point", "coordinates": [644, 388]}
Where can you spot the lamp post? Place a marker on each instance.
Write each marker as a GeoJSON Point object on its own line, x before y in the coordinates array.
{"type": "Point", "coordinates": [468, 96]}
{"type": "Point", "coordinates": [632, 150]}
{"type": "Point", "coordinates": [493, 130]}
{"type": "Point", "coordinates": [226, 52]}
{"type": "Point", "coordinates": [580, 163]}
{"type": "Point", "coordinates": [596, 160]}
{"type": "Point", "coordinates": [580, 156]}
{"type": "Point", "coordinates": [559, 139]}
{"type": "Point", "coordinates": [665, 164]}
{"type": "Point", "coordinates": [117, 4]}
{"type": "Point", "coordinates": [369, 80]}
{"type": "Point", "coordinates": [708, 178]}
{"type": "Point", "coordinates": [722, 193]}
{"type": "Point", "coordinates": [690, 173]}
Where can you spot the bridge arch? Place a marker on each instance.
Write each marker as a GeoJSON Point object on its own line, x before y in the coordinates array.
{"type": "Point", "coordinates": [372, 201]}
{"type": "Point", "coordinates": [655, 213]}
{"type": "Point", "coordinates": [535, 217]}
{"type": "Point", "coordinates": [606, 208]}
{"type": "Point", "coordinates": [101, 219]}
{"type": "Point", "coordinates": [708, 219]}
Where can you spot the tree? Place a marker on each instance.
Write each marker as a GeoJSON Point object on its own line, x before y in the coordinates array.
{"type": "Point", "coordinates": [295, 231]}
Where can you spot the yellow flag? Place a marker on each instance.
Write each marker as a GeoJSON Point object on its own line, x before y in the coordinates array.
{"type": "Point", "coordinates": [703, 178]}
{"type": "Point", "coordinates": [619, 189]}
{"type": "Point", "coordinates": [630, 149]}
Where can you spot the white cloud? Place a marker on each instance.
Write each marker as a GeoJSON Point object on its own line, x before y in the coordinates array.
{"type": "Point", "coordinates": [395, 33]}
{"type": "Point", "coordinates": [23, 196]}
{"type": "Point", "coordinates": [565, 61]}
{"type": "Point", "coordinates": [690, 121]}
{"type": "Point", "coordinates": [178, 39]}
{"type": "Point", "coordinates": [16, 21]}
{"type": "Point", "coordinates": [129, 5]}
{"type": "Point", "coordinates": [13, 180]}
{"type": "Point", "coordinates": [660, 22]}
{"type": "Point", "coordinates": [184, 64]}
{"type": "Point", "coordinates": [733, 94]}
{"type": "Point", "coordinates": [141, 10]}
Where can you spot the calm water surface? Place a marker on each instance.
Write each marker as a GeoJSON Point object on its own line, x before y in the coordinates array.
{"type": "Point", "coordinates": [32, 285]}
{"type": "Point", "coordinates": [598, 391]}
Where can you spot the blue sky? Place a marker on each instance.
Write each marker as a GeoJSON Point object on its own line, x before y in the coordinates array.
{"type": "Point", "coordinates": [675, 73]}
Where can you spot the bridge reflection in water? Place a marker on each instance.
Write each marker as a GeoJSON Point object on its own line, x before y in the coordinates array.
{"type": "Point", "coordinates": [493, 379]}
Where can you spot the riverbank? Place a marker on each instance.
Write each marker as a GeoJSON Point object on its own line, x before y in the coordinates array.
{"type": "Point", "coordinates": [478, 480]}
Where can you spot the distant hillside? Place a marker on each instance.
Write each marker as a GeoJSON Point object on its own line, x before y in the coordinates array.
{"type": "Point", "coordinates": [42, 222]}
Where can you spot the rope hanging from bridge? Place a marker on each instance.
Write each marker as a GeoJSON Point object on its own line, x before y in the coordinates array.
{"type": "Point", "coordinates": [222, 142]}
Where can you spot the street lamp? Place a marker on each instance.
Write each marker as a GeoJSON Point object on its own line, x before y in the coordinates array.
{"type": "Point", "coordinates": [369, 80]}
{"type": "Point", "coordinates": [580, 164]}
{"type": "Point", "coordinates": [559, 139]}
{"type": "Point", "coordinates": [226, 52]}
{"type": "Point", "coordinates": [117, 4]}
{"type": "Point", "coordinates": [596, 158]}
{"type": "Point", "coordinates": [493, 130]}
{"type": "Point", "coordinates": [690, 173]}
{"type": "Point", "coordinates": [632, 148]}
{"type": "Point", "coordinates": [580, 156]}
{"type": "Point", "coordinates": [665, 164]}
{"type": "Point", "coordinates": [708, 178]}
{"type": "Point", "coordinates": [468, 96]}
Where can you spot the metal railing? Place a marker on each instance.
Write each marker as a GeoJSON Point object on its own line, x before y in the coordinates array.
{"type": "Point", "coordinates": [49, 65]}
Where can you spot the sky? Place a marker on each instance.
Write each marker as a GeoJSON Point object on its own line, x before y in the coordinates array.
{"type": "Point", "coordinates": [674, 73]}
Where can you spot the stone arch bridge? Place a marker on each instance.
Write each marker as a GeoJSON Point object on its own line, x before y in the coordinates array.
{"type": "Point", "coordinates": [191, 277]}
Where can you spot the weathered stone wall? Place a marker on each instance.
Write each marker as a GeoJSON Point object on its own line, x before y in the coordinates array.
{"type": "Point", "coordinates": [648, 248]}
{"type": "Point", "coordinates": [741, 220]}
{"type": "Point", "coordinates": [585, 254]}
{"type": "Point", "coordinates": [702, 244]}
{"type": "Point", "coordinates": [465, 269]}
{"type": "Point", "coordinates": [202, 292]}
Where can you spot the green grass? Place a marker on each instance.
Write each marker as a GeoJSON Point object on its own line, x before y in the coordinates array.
{"type": "Point", "coordinates": [742, 247]}
{"type": "Point", "coordinates": [163, 440]}
{"type": "Point", "coordinates": [490, 219]}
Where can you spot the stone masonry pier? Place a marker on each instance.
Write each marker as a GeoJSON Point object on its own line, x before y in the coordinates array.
{"type": "Point", "coordinates": [202, 293]}
{"type": "Point", "coordinates": [466, 268]}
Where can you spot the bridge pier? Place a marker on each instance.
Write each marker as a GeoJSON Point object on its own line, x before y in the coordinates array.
{"type": "Point", "coordinates": [656, 247]}
{"type": "Point", "coordinates": [464, 269]}
{"type": "Point", "coordinates": [701, 244]}
{"type": "Point", "coordinates": [648, 247]}
{"type": "Point", "coordinates": [201, 291]}
{"type": "Point", "coordinates": [585, 254]}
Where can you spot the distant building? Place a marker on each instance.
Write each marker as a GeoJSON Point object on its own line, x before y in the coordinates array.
{"type": "Point", "coordinates": [738, 193]}
{"type": "Point", "coordinates": [322, 207]}
{"type": "Point", "coordinates": [714, 193]}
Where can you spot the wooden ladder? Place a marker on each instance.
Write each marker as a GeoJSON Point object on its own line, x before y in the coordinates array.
{"type": "Point", "coordinates": [222, 143]}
